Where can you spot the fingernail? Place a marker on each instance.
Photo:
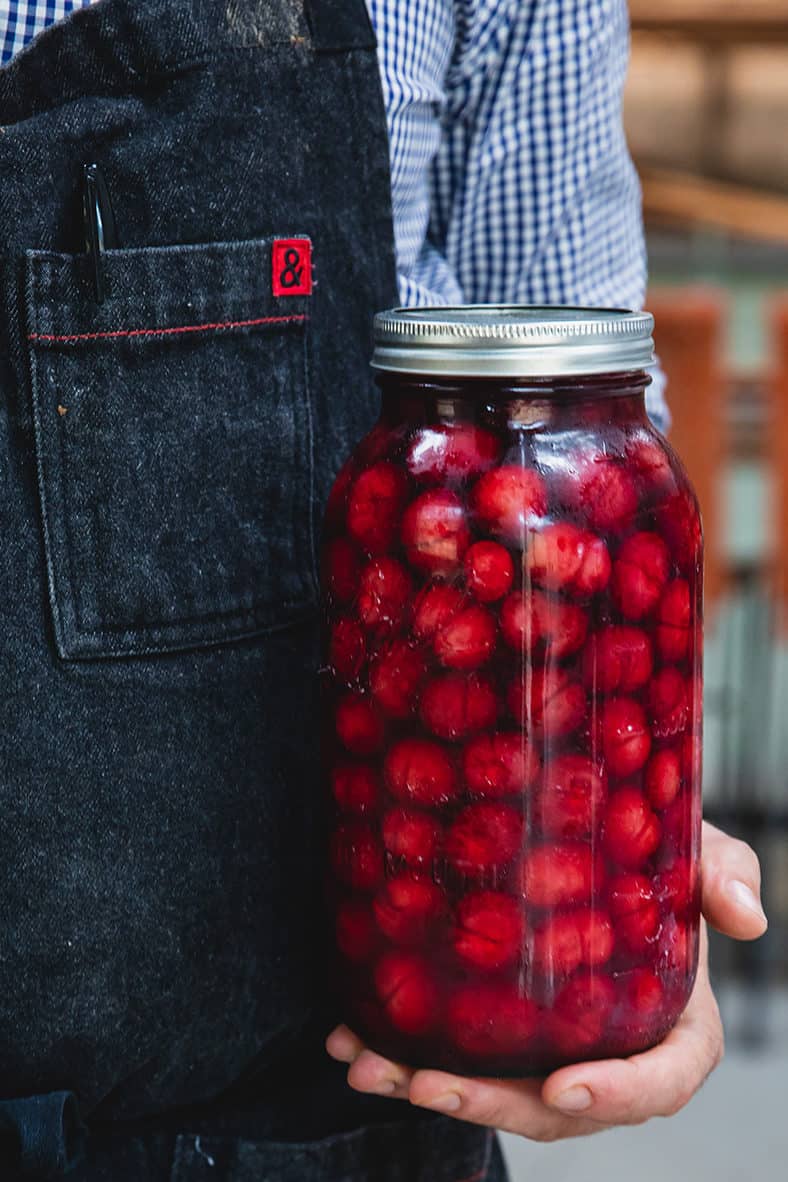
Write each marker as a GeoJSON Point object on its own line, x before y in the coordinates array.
{"type": "Point", "coordinates": [342, 1055]}
{"type": "Point", "coordinates": [575, 1099]}
{"type": "Point", "coordinates": [448, 1102]}
{"type": "Point", "coordinates": [746, 897]}
{"type": "Point", "coordinates": [386, 1087]}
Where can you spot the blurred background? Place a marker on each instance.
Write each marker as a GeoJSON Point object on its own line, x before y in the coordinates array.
{"type": "Point", "coordinates": [707, 120]}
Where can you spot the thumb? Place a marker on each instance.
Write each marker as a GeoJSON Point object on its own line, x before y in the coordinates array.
{"type": "Point", "coordinates": [731, 883]}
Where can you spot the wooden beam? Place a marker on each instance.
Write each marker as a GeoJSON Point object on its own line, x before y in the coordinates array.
{"type": "Point", "coordinates": [691, 200]}
{"type": "Point", "coordinates": [718, 20]}
{"type": "Point", "coordinates": [778, 439]}
{"type": "Point", "coordinates": [688, 326]}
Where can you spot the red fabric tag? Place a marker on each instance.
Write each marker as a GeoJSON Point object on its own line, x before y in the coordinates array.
{"type": "Point", "coordinates": [291, 261]}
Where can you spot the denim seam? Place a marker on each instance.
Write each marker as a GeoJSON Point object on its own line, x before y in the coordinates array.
{"type": "Point", "coordinates": [31, 312]}
{"type": "Point", "coordinates": [310, 459]}
{"type": "Point", "coordinates": [124, 333]}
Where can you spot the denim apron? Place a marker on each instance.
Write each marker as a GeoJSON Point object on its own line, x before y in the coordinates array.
{"type": "Point", "coordinates": [172, 413]}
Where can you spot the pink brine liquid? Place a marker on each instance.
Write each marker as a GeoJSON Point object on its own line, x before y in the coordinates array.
{"type": "Point", "coordinates": [512, 590]}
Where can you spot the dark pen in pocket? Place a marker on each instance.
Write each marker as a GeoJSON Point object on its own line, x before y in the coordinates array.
{"type": "Point", "coordinates": [99, 223]}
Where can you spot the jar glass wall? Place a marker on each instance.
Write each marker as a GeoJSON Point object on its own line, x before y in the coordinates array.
{"type": "Point", "coordinates": [512, 583]}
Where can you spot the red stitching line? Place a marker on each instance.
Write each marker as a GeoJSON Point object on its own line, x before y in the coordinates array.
{"type": "Point", "coordinates": [160, 332]}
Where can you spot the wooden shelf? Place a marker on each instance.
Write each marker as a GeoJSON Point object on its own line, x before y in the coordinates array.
{"type": "Point", "coordinates": [734, 21]}
{"type": "Point", "coordinates": [685, 198]}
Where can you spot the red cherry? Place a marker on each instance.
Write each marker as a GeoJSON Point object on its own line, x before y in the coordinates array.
{"type": "Point", "coordinates": [434, 608]}
{"type": "Point", "coordinates": [632, 831]}
{"type": "Point", "coordinates": [355, 930]}
{"type": "Point", "coordinates": [451, 452]}
{"type": "Point", "coordinates": [581, 1013]}
{"type": "Point", "coordinates": [528, 620]}
{"type": "Point", "coordinates": [634, 910]}
{"type": "Point", "coordinates": [640, 573]}
{"type": "Point", "coordinates": [679, 522]}
{"type": "Point", "coordinates": [411, 835]}
{"type": "Point", "coordinates": [607, 494]}
{"type": "Point", "coordinates": [617, 659]}
{"type": "Point", "coordinates": [375, 505]}
{"type": "Point", "coordinates": [435, 532]}
{"type": "Point", "coordinates": [489, 571]}
{"type": "Point", "coordinates": [669, 704]}
{"type": "Point", "coordinates": [484, 838]}
{"type": "Point", "coordinates": [419, 771]}
{"type": "Point", "coordinates": [673, 619]}
{"type": "Point", "coordinates": [456, 705]}
{"type": "Point", "coordinates": [677, 948]}
{"type": "Point", "coordinates": [573, 795]}
{"type": "Point", "coordinates": [554, 555]}
{"type": "Point", "coordinates": [408, 991]}
{"type": "Point", "coordinates": [663, 778]}
{"type": "Point", "coordinates": [597, 937]}
{"type": "Point", "coordinates": [358, 724]}
{"type": "Point", "coordinates": [383, 592]}
{"type": "Point", "coordinates": [491, 1020]}
{"type": "Point", "coordinates": [626, 739]}
{"type": "Point", "coordinates": [395, 677]}
{"type": "Point", "coordinates": [677, 822]}
{"type": "Point", "coordinates": [489, 932]}
{"type": "Point", "coordinates": [596, 567]}
{"type": "Point", "coordinates": [649, 459]}
{"type": "Point", "coordinates": [562, 557]}
{"type": "Point", "coordinates": [347, 649]}
{"type": "Point", "coordinates": [336, 505]}
{"type": "Point", "coordinates": [555, 703]}
{"type": "Point", "coordinates": [557, 949]}
{"type": "Point", "coordinates": [563, 626]}
{"type": "Point", "coordinates": [675, 886]}
{"type": "Point", "coordinates": [556, 875]}
{"type": "Point", "coordinates": [355, 787]}
{"type": "Point", "coordinates": [468, 640]}
{"type": "Point", "coordinates": [407, 908]}
{"type": "Point", "coordinates": [520, 625]}
{"type": "Point", "coordinates": [691, 759]}
{"type": "Point", "coordinates": [341, 568]}
{"type": "Point", "coordinates": [499, 765]}
{"type": "Point", "coordinates": [507, 499]}
{"type": "Point", "coordinates": [356, 856]}
{"type": "Point", "coordinates": [375, 444]}
{"type": "Point", "coordinates": [643, 995]}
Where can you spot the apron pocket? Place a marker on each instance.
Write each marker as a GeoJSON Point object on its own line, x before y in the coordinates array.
{"type": "Point", "coordinates": [433, 1150]}
{"type": "Point", "coordinates": [174, 450]}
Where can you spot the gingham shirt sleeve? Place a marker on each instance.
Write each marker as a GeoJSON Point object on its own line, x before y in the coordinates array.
{"type": "Point", "coordinates": [22, 20]}
{"type": "Point", "coordinates": [511, 177]}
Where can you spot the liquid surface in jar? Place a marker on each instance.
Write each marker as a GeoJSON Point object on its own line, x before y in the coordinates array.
{"type": "Point", "coordinates": [513, 695]}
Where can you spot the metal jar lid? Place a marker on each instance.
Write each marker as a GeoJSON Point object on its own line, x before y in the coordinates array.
{"type": "Point", "coordinates": [496, 340]}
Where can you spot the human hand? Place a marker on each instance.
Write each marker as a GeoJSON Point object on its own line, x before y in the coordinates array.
{"type": "Point", "coordinates": [588, 1097]}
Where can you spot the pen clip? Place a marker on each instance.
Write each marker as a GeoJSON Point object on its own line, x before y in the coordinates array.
{"type": "Point", "coordinates": [99, 221]}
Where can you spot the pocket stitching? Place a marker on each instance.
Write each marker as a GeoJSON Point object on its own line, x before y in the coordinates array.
{"type": "Point", "coordinates": [112, 334]}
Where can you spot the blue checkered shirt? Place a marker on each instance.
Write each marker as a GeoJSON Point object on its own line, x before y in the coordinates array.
{"type": "Point", "coordinates": [511, 179]}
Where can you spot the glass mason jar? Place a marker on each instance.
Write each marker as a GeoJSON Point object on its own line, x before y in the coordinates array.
{"type": "Point", "coordinates": [512, 572]}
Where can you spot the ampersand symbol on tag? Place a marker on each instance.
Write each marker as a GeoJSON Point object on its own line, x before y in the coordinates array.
{"type": "Point", "coordinates": [292, 266]}
{"type": "Point", "coordinates": [291, 273]}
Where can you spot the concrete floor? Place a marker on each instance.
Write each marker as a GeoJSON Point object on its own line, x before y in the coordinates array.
{"type": "Point", "coordinates": [735, 1130]}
